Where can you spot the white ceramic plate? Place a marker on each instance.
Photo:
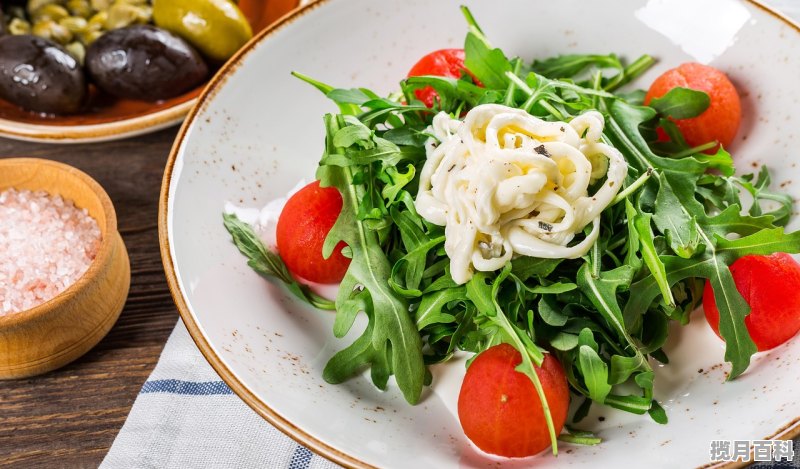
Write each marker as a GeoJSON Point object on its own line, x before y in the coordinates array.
{"type": "Point", "coordinates": [257, 131]}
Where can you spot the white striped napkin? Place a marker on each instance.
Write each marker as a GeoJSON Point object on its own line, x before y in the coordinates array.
{"type": "Point", "coordinates": [186, 417]}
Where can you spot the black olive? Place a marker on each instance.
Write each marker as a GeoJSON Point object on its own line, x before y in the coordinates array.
{"type": "Point", "coordinates": [39, 75]}
{"type": "Point", "coordinates": [144, 62]}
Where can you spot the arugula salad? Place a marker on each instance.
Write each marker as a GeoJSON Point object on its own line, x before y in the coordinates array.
{"type": "Point", "coordinates": [539, 215]}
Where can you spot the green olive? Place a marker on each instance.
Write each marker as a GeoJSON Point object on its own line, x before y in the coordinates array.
{"type": "Point", "coordinates": [80, 8]}
{"type": "Point", "coordinates": [216, 27]}
{"type": "Point", "coordinates": [49, 29]}
{"type": "Point", "coordinates": [18, 27]}
{"type": "Point", "coordinates": [49, 12]}
{"type": "Point", "coordinates": [123, 14]}
{"type": "Point", "coordinates": [98, 21]}
{"type": "Point", "coordinates": [75, 24]}
{"type": "Point", "coordinates": [77, 50]}
{"type": "Point", "coordinates": [89, 36]}
{"type": "Point", "coordinates": [101, 5]}
{"type": "Point", "coordinates": [34, 5]}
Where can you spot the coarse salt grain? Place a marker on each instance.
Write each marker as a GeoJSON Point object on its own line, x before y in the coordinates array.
{"type": "Point", "coordinates": [46, 245]}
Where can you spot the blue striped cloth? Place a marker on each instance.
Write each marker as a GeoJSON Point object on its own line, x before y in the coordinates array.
{"type": "Point", "coordinates": [186, 417]}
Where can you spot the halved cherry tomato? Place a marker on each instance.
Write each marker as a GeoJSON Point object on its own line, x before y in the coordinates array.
{"type": "Point", "coordinates": [303, 225]}
{"type": "Point", "coordinates": [442, 63]}
{"type": "Point", "coordinates": [499, 408]}
{"type": "Point", "coordinates": [771, 286]}
{"type": "Point", "coordinates": [720, 121]}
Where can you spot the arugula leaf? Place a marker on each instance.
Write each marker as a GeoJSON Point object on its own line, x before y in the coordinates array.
{"type": "Point", "coordinates": [760, 191]}
{"type": "Point", "coordinates": [595, 374]}
{"type": "Point", "coordinates": [602, 292]}
{"type": "Point", "coordinates": [681, 103]}
{"type": "Point", "coordinates": [657, 413]}
{"type": "Point", "coordinates": [488, 64]}
{"type": "Point", "coordinates": [677, 224]}
{"type": "Point", "coordinates": [549, 312]}
{"type": "Point", "coordinates": [568, 66]}
{"type": "Point", "coordinates": [344, 106]}
{"type": "Point", "coordinates": [393, 332]}
{"type": "Point", "coordinates": [564, 341]}
{"type": "Point", "coordinates": [633, 404]}
{"type": "Point", "coordinates": [267, 263]}
{"type": "Point", "coordinates": [586, 440]}
{"type": "Point", "coordinates": [692, 234]}
{"type": "Point", "coordinates": [431, 307]}
{"type": "Point", "coordinates": [622, 367]}
{"type": "Point", "coordinates": [641, 223]}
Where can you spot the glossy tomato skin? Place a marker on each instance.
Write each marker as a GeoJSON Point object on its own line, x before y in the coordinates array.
{"type": "Point", "coordinates": [721, 120]}
{"type": "Point", "coordinates": [443, 63]}
{"type": "Point", "coordinates": [771, 286]}
{"type": "Point", "coordinates": [303, 225]}
{"type": "Point", "coordinates": [499, 408]}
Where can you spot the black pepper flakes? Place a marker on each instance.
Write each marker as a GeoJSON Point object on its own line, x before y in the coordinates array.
{"type": "Point", "coordinates": [542, 151]}
{"type": "Point", "coordinates": [545, 226]}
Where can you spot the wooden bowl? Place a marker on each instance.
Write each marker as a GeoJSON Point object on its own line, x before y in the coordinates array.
{"type": "Point", "coordinates": [64, 328]}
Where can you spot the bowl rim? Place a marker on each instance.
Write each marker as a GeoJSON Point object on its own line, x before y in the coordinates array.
{"type": "Point", "coordinates": [114, 130]}
{"type": "Point", "coordinates": [100, 261]}
{"type": "Point", "coordinates": [787, 432]}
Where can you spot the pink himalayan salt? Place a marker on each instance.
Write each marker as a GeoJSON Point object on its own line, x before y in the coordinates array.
{"type": "Point", "coordinates": [46, 244]}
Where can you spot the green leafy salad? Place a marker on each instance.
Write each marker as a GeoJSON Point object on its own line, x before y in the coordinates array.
{"type": "Point", "coordinates": [676, 221]}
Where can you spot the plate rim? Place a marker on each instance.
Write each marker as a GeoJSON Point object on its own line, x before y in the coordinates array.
{"type": "Point", "coordinates": [91, 133]}
{"type": "Point", "coordinates": [786, 432]}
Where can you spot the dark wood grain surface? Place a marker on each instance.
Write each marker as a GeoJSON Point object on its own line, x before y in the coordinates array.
{"type": "Point", "coordinates": [69, 418]}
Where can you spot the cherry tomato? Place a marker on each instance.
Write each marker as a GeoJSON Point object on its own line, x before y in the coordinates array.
{"type": "Point", "coordinates": [499, 408]}
{"type": "Point", "coordinates": [720, 121]}
{"type": "Point", "coordinates": [771, 286]}
{"type": "Point", "coordinates": [303, 225]}
{"type": "Point", "coordinates": [442, 63]}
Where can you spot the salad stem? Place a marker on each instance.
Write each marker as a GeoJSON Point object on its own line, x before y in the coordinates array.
{"type": "Point", "coordinates": [470, 19]}
{"type": "Point", "coordinates": [580, 440]}
{"type": "Point", "coordinates": [512, 85]}
{"type": "Point", "coordinates": [552, 110]}
{"type": "Point", "coordinates": [520, 83]}
{"type": "Point", "coordinates": [694, 150]}
{"type": "Point", "coordinates": [595, 265]}
{"type": "Point", "coordinates": [632, 71]}
{"type": "Point", "coordinates": [639, 182]}
{"type": "Point", "coordinates": [597, 84]}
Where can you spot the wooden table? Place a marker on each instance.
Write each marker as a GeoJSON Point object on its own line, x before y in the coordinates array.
{"type": "Point", "coordinates": [69, 418]}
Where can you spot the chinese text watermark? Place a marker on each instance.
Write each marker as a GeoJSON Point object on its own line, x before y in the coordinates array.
{"type": "Point", "coordinates": [763, 450]}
